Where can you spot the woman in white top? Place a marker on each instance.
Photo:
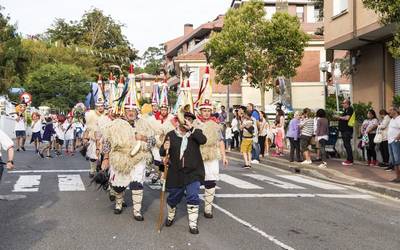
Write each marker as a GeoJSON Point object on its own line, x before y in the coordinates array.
{"type": "Point", "coordinates": [369, 127]}
{"type": "Point", "coordinates": [383, 130]}
{"type": "Point", "coordinates": [263, 130]}
{"type": "Point", "coordinates": [36, 129]}
{"type": "Point", "coordinates": [20, 130]}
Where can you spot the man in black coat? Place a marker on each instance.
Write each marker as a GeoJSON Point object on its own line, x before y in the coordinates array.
{"type": "Point", "coordinates": [186, 169]}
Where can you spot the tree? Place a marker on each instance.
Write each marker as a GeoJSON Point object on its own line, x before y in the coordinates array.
{"type": "Point", "coordinates": [252, 47]}
{"type": "Point", "coordinates": [319, 4]}
{"type": "Point", "coordinates": [57, 85]}
{"type": "Point", "coordinates": [389, 12]}
{"type": "Point", "coordinates": [12, 56]}
{"type": "Point", "coordinates": [153, 58]}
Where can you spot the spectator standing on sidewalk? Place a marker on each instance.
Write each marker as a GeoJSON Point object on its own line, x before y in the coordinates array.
{"type": "Point", "coordinates": [263, 130]}
{"type": "Point", "coordinates": [322, 135]}
{"type": "Point", "coordinates": [370, 124]}
{"type": "Point", "coordinates": [235, 129]}
{"type": "Point", "coordinates": [293, 134]}
{"type": "Point", "coordinates": [228, 136]}
{"type": "Point", "coordinates": [383, 129]}
{"type": "Point", "coordinates": [255, 149]}
{"type": "Point", "coordinates": [20, 127]}
{"type": "Point", "coordinates": [223, 115]}
{"type": "Point", "coordinates": [247, 128]}
{"type": "Point", "coordinates": [394, 141]}
{"type": "Point", "coordinates": [307, 130]}
{"type": "Point", "coordinates": [254, 113]}
{"type": "Point", "coordinates": [279, 132]}
{"type": "Point", "coordinates": [346, 130]}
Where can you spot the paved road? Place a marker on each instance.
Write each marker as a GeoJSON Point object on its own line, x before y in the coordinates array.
{"type": "Point", "coordinates": [47, 204]}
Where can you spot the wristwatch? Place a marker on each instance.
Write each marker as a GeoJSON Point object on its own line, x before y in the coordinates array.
{"type": "Point", "coordinates": [12, 162]}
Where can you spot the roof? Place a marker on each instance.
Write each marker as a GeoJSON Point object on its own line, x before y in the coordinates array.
{"type": "Point", "coordinates": [200, 31]}
{"type": "Point", "coordinates": [172, 43]}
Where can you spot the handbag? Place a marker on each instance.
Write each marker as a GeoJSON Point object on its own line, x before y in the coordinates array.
{"type": "Point", "coordinates": [378, 137]}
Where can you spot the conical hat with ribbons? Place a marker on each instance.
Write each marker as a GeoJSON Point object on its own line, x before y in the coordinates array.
{"type": "Point", "coordinates": [131, 100]}
{"type": "Point", "coordinates": [164, 95]}
{"type": "Point", "coordinates": [100, 99]}
{"type": "Point", "coordinates": [204, 99]}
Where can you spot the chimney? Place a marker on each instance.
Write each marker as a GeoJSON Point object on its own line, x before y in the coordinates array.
{"type": "Point", "coordinates": [187, 28]}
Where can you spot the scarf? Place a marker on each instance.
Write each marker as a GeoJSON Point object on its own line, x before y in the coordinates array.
{"type": "Point", "coordinates": [184, 141]}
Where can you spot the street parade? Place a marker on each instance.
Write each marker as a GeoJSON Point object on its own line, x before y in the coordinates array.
{"type": "Point", "coordinates": [232, 124]}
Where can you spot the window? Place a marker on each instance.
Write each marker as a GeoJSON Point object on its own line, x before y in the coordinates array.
{"type": "Point", "coordinates": [312, 14]}
{"type": "Point", "coordinates": [339, 6]}
{"type": "Point", "coordinates": [269, 11]}
{"type": "Point", "coordinates": [300, 13]}
{"type": "Point", "coordinates": [194, 78]}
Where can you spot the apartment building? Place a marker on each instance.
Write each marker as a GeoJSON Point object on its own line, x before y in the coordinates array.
{"type": "Point", "coordinates": [349, 25]}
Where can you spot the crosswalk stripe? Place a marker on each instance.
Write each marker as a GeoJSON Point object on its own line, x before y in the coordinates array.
{"type": "Point", "coordinates": [27, 183]}
{"type": "Point", "coordinates": [299, 195]}
{"type": "Point", "coordinates": [70, 182]}
{"type": "Point", "coordinates": [274, 182]}
{"type": "Point", "coordinates": [310, 182]}
{"type": "Point", "coordinates": [238, 182]}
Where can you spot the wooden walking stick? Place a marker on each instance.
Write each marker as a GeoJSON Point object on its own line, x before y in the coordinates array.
{"type": "Point", "coordinates": [162, 195]}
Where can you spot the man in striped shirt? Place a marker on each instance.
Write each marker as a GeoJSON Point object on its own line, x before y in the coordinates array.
{"type": "Point", "coordinates": [307, 130]}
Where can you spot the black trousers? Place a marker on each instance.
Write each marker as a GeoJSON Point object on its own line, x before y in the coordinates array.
{"type": "Point", "coordinates": [371, 153]}
{"type": "Point", "coordinates": [294, 148]}
{"type": "Point", "coordinates": [384, 148]}
{"type": "Point", "coordinates": [322, 144]}
{"type": "Point", "coordinates": [236, 140]}
{"type": "Point", "coordinates": [346, 137]}
{"type": "Point", "coordinates": [261, 141]}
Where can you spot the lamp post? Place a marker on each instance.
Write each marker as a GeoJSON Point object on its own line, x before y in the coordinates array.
{"type": "Point", "coordinates": [336, 75]}
{"type": "Point", "coordinates": [325, 67]}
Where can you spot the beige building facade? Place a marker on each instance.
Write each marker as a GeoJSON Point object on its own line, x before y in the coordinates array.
{"type": "Point", "coordinates": [375, 73]}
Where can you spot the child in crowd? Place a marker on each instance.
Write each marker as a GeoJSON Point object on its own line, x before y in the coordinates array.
{"type": "Point", "coordinates": [36, 129]}
{"type": "Point", "coordinates": [59, 129]}
{"type": "Point", "coordinates": [228, 136]}
{"type": "Point", "coordinates": [247, 138]}
{"type": "Point", "coordinates": [46, 138]}
{"type": "Point", "coordinates": [69, 133]}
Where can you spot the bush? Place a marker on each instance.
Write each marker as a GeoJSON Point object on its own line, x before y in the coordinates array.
{"type": "Point", "coordinates": [396, 101]}
{"type": "Point", "coordinates": [361, 110]}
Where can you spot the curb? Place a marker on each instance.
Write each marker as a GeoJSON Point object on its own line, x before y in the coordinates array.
{"type": "Point", "coordinates": [325, 174]}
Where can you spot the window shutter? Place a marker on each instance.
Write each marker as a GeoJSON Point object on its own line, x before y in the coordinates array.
{"type": "Point", "coordinates": [397, 76]}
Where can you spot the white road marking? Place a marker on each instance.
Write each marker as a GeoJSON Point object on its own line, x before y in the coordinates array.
{"type": "Point", "coordinates": [298, 195]}
{"type": "Point", "coordinates": [12, 197]}
{"type": "Point", "coordinates": [274, 182]}
{"type": "Point", "coordinates": [71, 182]}
{"type": "Point", "coordinates": [238, 182]}
{"type": "Point", "coordinates": [318, 184]}
{"type": "Point", "coordinates": [216, 187]}
{"type": "Point", "coordinates": [254, 228]}
{"type": "Point", "coordinates": [27, 183]}
{"type": "Point", "coordinates": [48, 171]}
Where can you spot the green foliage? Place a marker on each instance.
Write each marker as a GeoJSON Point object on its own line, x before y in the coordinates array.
{"type": "Point", "coordinates": [12, 56]}
{"type": "Point", "coordinates": [153, 58]}
{"type": "Point", "coordinates": [396, 101]}
{"type": "Point", "coordinates": [361, 109]}
{"type": "Point", "coordinates": [389, 12]}
{"type": "Point", "coordinates": [57, 85]}
{"type": "Point", "coordinates": [251, 46]}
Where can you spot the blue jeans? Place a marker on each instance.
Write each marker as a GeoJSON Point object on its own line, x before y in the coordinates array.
{"type": "Point", "coordinates": [255, 151]}
{"type": "Point", "coordinates": [192, 194]}
{"type": "Point", "coordinates": [394, 152]}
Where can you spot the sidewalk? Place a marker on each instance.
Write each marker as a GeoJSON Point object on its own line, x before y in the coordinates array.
{"type": "Point", "coordinates": [373, 179]}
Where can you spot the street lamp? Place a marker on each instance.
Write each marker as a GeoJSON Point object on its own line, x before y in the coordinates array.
{"type": "Point", "coordinates": [325, 67]}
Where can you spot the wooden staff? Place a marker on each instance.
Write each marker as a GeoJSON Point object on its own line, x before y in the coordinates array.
{"type": "Point", "coordinates": [162, 195]}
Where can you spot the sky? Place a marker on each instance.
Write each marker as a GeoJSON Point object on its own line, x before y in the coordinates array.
{"type": "Point", "coordinates": [147, 22]}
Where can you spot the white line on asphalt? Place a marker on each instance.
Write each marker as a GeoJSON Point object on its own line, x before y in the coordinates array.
{"type": "Point", "coordinates": [274, 182]}
{"type": "Point", "coordinates": [70, 182]}
{"type": "Point", "coordinates": [299, 195]}
{"type": "Point", "coordinates": [216, 187]}
{"type": "Point", "coordinates": [238, 182]}
{"type": "Point", "coordinates": [318, 184]}
{"type": "Point", "coordinates": [27, 183]}
{"type": "Point", "coordinates": [48, 171]}
{"type": "Point", "coordinates": [254, 228]}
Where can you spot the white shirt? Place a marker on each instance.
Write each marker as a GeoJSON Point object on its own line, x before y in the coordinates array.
{"type": "Point", "coordinates": [69, 130]}
{"type": "Point", "coordinates": [36, 126]}
{"type": "Point", "coordinates": [394, 129]}
{"type": "Point", "coordinates": [228, 133]}
{"type": "Point", "coordinates": [59, 131]}
{"type": "Point", "coordinates": [235, 124]}
{"type": "Point", "coordinates": [20, 125]}
{"type": "Point", "coordinates": [5, 141]}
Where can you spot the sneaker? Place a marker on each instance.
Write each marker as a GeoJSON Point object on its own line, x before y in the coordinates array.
{"type": "Point", "coordinates": [247, 167]}
{"type": "Point", "coordinates": [40, 154]}
{"type": "Point", "coordinates": [17, 149]}
{"type": "Point", "coordinates": [255, 161]}
{"type": "Point", "coordinates": [374, 163]}
{"type": "Point", "coordinates": [23, 148]}
{"type": "Point", "coordinates": [322, 165]}
{"type": "Point", "coordinates": [389, 169]}
{"type": "Point", "coordinates": [49, 157]}
{"type": "Point", "coordinates": [347, 163]}
{"type": "Point", "coordinates": [397, 180]}
{"type": "Point", "coordinates": [306, 162]}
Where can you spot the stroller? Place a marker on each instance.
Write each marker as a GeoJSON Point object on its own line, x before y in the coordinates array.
{"type": "Point", "coordinates": [330, 145]}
